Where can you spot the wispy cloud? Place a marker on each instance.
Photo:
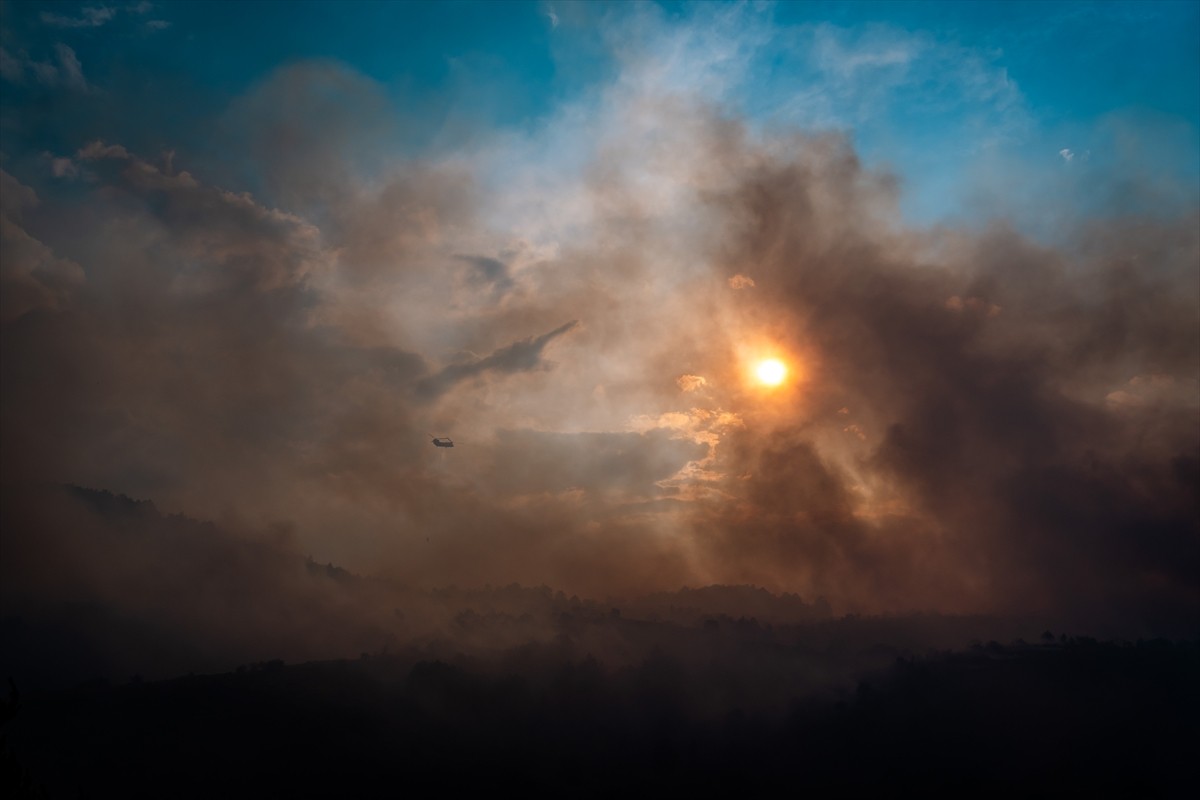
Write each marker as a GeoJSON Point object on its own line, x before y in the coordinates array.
{"type": "Point", "coordinates": [66, 71]}
{"type": "Point", "coordinates": [89, 17]}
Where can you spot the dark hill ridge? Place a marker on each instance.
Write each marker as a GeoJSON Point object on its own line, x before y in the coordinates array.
{"type": "Point", "coordinates": [99, 584]}
{"type": "Point", "coordinates": [714, 688]}
{"type": "Point", "coordinates": [1066, 717]}
{"type": "Point", "coordinates": [111, 505]}
{"type": "Point", "coordinates": [689, 604]}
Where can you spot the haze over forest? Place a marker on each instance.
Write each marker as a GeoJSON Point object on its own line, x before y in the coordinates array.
{"type": "Point", "coordinates": [805, 317]}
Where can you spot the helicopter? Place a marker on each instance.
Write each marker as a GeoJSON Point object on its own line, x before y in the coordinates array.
{"type": "Point", "coordinates": [444, 441]}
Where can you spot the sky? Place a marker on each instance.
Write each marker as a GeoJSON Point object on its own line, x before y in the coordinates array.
{"type": "Point", "coordinates": [254, 256]}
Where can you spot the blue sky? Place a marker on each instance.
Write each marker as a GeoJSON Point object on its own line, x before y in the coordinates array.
{"type": "Point", "coordinates": [950, 96]}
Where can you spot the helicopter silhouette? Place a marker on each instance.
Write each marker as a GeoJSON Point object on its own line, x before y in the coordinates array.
{"type": "Point", "coordinates": [444, 441]}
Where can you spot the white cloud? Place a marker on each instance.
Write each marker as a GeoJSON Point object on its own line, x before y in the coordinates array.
{"type": "Point", "coordinates": [63, 167]}
{"type": "Point", "coordinates": [98, 149]}
{"type": "Point", "coordinates": [1066, 154]}
{"type": "Point", "coordinates": [89, 17]}
{"type": "Point", "coordinates": [836, 78]}
{"type": "Point", "coordinates": [72, 70]}
{"type": "Point", "coordinates": [11, 69]}
{"type": "Point", "coordinates": [68, 72]}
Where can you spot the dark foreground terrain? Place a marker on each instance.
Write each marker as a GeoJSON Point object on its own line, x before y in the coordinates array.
{"type": "Point", "coordinates": [719, 690]}
{"type": "Point", "coordinates": [1061, 716]}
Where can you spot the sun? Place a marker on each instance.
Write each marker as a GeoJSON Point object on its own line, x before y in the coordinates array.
{"type": "Point", "coordinates": [771, 371]}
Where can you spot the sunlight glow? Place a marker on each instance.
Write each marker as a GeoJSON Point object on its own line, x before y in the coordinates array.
{"type": "Point", "coordinates": [771, 371]}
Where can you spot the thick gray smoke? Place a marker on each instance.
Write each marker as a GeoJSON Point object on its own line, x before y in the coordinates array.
{"type": "Point", "coordinates": [974, 421]}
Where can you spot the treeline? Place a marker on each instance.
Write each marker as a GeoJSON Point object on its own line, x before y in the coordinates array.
{"type": "Point", "coordinates": [1047, 718]}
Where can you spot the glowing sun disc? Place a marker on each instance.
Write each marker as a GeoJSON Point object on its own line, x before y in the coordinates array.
{"type": "Point", "coordinates": [772, 371]}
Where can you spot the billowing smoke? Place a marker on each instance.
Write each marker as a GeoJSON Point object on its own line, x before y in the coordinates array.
{"type": "Point", "coordinates": [977, 421]}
